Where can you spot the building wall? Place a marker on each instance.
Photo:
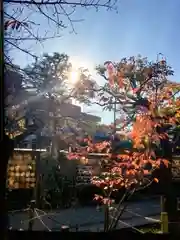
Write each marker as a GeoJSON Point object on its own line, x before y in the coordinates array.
{"type": "Point", "coordinates": [70, 110]}
{"type": "Point", "coordinates": [52, 124]}
{"type": "Point", "coordinates": [13, 82]}
{"type": "Point", "coordinates": [65, 109]}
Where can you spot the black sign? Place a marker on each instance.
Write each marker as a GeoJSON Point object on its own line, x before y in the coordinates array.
{"type": "Point", "coordinates": [176, 168]}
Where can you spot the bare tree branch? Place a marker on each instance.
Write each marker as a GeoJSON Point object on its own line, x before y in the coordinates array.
{"type": "Point", "coordinates": [23, 50]}
{"type": "Point", "coordinates": [30, 38]}
{"type": "Point", "coordinates": [58, 14]}
{"type": "Point", "coordinates": [107, 4]}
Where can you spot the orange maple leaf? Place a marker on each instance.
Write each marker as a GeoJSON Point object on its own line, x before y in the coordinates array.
{"type": "Point", "coordinates": [156, 180]}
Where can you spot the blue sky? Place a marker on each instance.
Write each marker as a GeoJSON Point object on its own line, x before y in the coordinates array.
{"type": "Point", "coordinates": [145, 27]}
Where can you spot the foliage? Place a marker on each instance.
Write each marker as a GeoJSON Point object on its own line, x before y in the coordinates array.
{"type": "Point", "coordinates": [15, 95]}
{"type": "Point", "coordinates": [128, 83]}
{"type": "Point", "coordinates": [50, 76]}
{"type": "Point", "coordinates": [53, 180]}
{"type": "Point", "coordinates": [150, 105]}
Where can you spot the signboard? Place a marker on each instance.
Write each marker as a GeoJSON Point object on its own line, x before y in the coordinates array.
{"type": "Point", "coordinates": [87, 169]}
{"type": "Point", "coordinates": [176, 168]}
{"type": "Point", "coordinates": [83, 174]}
{"type": "Point", "coordinates": [21, 170]}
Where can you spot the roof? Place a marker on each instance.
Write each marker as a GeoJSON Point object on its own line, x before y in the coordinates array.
{"type": "Point", "coordinates": [90, 117]}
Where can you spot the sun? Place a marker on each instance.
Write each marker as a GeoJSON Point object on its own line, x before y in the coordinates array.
{"type": "Point", "coordinates": [73, 76]}
{"type": "Point", "coordinates": [77, 63]}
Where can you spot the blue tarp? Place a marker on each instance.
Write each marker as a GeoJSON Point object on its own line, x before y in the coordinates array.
{"type": "Point", "coordinates": [102, 138]}
{"type": "Point", "coordinates": [124, 144]}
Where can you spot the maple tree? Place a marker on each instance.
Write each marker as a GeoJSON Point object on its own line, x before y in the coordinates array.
{"type": "Point", "coordinates": [150, 106]}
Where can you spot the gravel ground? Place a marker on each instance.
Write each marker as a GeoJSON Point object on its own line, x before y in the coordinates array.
{"type": "Point", "coordinates": [86, 218]}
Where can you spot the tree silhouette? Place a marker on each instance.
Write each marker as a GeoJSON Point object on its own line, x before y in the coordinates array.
{"type": "Point", "coordinates": [49, 79]}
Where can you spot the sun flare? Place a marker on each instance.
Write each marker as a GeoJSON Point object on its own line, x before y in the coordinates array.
{"type": "Point", "coordinates": [77, 63]}
{"type": "Point", "coordinates": [73, 77]}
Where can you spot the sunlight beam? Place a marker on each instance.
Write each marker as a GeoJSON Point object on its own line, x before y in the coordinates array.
{"type": "Point", "coordinates": [74, 77]}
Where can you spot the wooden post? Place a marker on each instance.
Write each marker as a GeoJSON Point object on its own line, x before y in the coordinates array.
{"type": "Point", "coordinates": [37, 193]}
{"type": "Point", "coordinates": [164, 216]}
{"type": "Point", "coordinates": [164, 222]}
{"type": "Point", "coordinates": [162, 204]}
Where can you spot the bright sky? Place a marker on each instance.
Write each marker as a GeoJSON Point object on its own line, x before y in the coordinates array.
{"type": "Point", "coordinates": [145, 27]}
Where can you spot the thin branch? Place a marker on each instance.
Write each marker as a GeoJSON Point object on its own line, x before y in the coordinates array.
{"type": "Point", "coordinates": [60, 2]}
{"type": "Point", "coordinates": [59, 24]}
{"type": "Point", "coordinates": [50, 10]}
{"type": "Point", "coordinates": [105, 104]}
{"type": "Point", "coordinates": [26, 38]}
{"type": "Point", "coordinates": [26, 28]}
{"type": "Point", "coordinates": [122, 210]}
{"type": "Point", "coordinates": [67, 15]}
{"type": "Point", "coordinates": [118, 208]}
{"type": "Point", "coordinates": [21, 49]}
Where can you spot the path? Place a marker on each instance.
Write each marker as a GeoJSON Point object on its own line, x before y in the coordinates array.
{"type": "Point", "coordinates": [88, 217]}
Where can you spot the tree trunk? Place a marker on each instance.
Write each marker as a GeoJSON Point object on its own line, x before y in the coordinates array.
{"type": "Point", "coordinates": [7, 148]}
{"type": "Point", "coordinates": [106, 217]}
{"type": "Point", "coordinates": [168, 188]}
